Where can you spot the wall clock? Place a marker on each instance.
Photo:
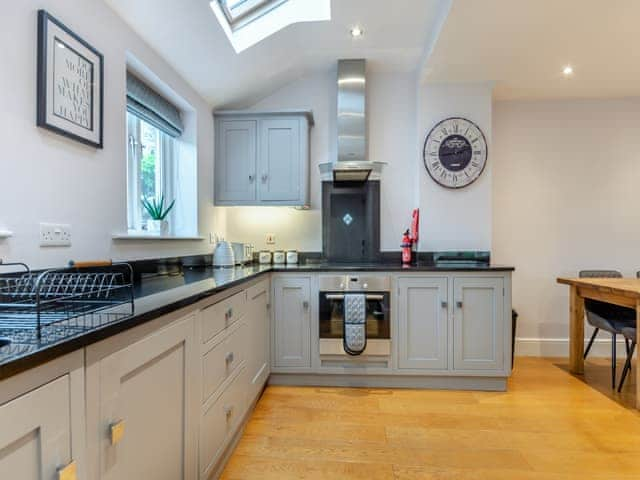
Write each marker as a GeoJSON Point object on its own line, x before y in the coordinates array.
{"type": "Point", "coordinates": [455, 152]}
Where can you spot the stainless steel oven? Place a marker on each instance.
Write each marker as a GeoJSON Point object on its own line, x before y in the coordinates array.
{"type": "Point", "coordinates": [377, 292]}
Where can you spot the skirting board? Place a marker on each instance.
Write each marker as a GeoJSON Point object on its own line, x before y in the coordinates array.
{"type": "Point", "coordinates": [559, 347]}
{"type": "Point", "coordinates": [489, 384]}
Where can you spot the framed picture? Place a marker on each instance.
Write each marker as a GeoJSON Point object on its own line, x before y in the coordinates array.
{"type": "Point", "coordinates": [70, 83]}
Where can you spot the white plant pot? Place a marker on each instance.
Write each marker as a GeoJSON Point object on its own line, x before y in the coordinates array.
{"type": "Point", "coordinates": [161, 227]}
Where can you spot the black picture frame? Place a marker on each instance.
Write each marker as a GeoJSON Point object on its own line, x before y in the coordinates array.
{"type": "Point", "coordinates": [95, 137]}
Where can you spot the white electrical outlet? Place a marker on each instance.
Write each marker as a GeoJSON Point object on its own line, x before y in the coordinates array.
{"type": "Point", "coordinates": [271, 239]}
{"type": "Point", "coordinates": [55, 235]}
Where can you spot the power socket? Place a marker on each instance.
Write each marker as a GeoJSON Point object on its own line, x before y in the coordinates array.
{"type": "Point", "coordinates": [55, 235]}
{"type": "Point", "coordinates": [270, 239]}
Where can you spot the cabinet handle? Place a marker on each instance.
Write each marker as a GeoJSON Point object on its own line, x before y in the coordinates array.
{"type": "Point", "coordinates": [228, 314]}
{"type": "Point", "coordinates": [444, 304]}
{"type": "Point", "coordinates": [305, 305]}
{"type": "Point", "coordinates": [116, 431]}
{"type": "Point", "coordinates": [251, 177]}
{"type": "Point", "coordinates": [268, 306]}
{"type": "Point", "coordinates": [228, 409]}
{"type": "Point", "coordinates": [70, 472]}
{"type": "Point", "coordinates": [264, 177]}
{"type": "Point", "coordinates": [459, 304]}
{"type": "Point", "coordinates": [228, 357]}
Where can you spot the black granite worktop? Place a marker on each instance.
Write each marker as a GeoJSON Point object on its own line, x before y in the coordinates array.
{"type": "Point", "coordinates": [160, 294]}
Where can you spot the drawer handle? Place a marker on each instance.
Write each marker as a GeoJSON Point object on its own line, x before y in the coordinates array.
{"type": "Point", "coordinates": [305, 305]}
{"type": "Point", "coordinates": [459, 304]}
{"type": "Point", "coordinates": [444, 304]}
{"type": "Point", "coordinates": [70, 472]}
{"type": "Point", "coordinates": [116, 432]}
{"type": "Point", "coordinates": [228, 357]}
{"type": "Point", "coordinates": [228, 314]}
{"type": "Point", "coordinates": [228, 410]}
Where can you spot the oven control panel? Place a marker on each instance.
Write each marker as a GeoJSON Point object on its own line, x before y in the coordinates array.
{"type": "Point", "coordinates": [355, 283]}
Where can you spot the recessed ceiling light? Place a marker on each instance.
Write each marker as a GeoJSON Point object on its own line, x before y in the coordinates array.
{"type": "Point", "coordinates": [567, 71]}
{"type": "Point", "coordinates": [356, 32]}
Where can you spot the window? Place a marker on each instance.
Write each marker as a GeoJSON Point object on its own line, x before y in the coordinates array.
{"type": "Point", "coordinates": [161, 161]}
{"type": "Point", "coordinates": [151, 158]}
{"type": "Point", "coordinates": [239, 12]}
{"type": "Point", "coordinates": [247, 22]}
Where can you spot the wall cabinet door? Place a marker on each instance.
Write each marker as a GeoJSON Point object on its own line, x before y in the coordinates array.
{"type": "Point", "coordinates": [279, 160]}
{"type": "Point", "coordinates": [422, 323]}
{"type": "Point", "coordinates": [478, 325]}
{"type": "Point", "coordinates": [257, 318]}
{"type": "Point", "coordinates": [292, 329]}
{"type": "Point", "coordinates": [236, 157]}
{"type": "Point", "coordinates": [35, 437]}
{"type": "Point", "coordinates": [146, 394]}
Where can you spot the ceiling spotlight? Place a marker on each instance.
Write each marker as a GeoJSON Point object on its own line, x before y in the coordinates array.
{"type": "Point", "coordinates": [567, 71]}
{"type": "Point", "coordinates": [356, 32]}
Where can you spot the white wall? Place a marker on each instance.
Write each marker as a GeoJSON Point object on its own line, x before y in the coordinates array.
{"type": "Point", "coordinates": [455, 219]}
{"type": "Point", "coordinates": [49, 178]}
{"type": "Point", "coordinates": [566, 176]}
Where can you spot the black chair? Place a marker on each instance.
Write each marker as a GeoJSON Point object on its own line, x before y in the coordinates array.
{"type": "Point", "coordinates": [630, 336]}
{"type": "Point", "coordinates": [608, 317]}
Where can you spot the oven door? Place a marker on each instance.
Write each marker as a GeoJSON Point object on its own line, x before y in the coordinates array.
{"type": "Point", "coordinates": [331, 322]}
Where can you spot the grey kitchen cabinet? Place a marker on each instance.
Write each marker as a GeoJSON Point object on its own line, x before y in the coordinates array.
{"type": "Point", "coordinates": [236, 157]}
{"type": "Point", "coordinates": [478, 323]}
{"type": "Point", "coordinates": [422, 322]}
{"type": "Point", "coordinates": [262, 158]}
{"type": "Point", "coordinates": [292, 322]}
{"type": "Point", "coordinates": [257, 318]}
{"type": "Point", "coordinates": [42, 434]}
{"type": "Point", "coordinates": [141, 416]}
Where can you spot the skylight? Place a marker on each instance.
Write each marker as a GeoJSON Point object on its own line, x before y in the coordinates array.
{"type": "Point", "coordinates": [247, 22]}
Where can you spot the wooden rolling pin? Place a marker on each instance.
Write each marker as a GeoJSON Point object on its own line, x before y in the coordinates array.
{"type": "Point", "coordinates": [90, 264]}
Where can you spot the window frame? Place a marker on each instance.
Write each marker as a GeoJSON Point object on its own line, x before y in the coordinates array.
{"type": "Point", "coordinates": [167, 158]}
{"type": "Point", "coordinates": [253, 13]}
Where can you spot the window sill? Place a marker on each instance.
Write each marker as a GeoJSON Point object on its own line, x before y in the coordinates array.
{"type": "Point", "coordinates": [150, 236]}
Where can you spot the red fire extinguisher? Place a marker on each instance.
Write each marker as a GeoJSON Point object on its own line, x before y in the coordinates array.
{"type": "Point", "coordinates": [410, 238]}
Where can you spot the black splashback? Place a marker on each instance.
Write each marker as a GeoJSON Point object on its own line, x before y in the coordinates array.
{"type": "Point", "coordinates": [351, 221]}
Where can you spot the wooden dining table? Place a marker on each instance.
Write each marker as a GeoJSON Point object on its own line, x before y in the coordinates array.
{"type": "Point", "coordinates": [619, 291]}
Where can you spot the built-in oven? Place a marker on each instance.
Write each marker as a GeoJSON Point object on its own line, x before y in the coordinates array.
{"type": "Point", "coordinates": [376, 290]}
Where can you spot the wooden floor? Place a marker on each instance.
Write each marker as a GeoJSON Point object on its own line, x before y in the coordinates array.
{"type": "Point", "coordinates": [549, 425]}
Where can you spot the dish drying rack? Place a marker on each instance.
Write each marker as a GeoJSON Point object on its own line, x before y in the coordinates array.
{"type": "Point", "coordinates": [43, 307]}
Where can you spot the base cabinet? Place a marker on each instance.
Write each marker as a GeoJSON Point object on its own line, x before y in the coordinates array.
{"type": "Point", "coordinates": [35, 437]}
{"type": "Point", "coordinates": [257, 318]}
{"type": "Point", "coordinates": [292, 321]}
{"type": "Point", "coordinates": [145, 393]}
{"type": "Point", "coordinates": [478, 323]}
{"type": "Point", "coordinates": [422, 322]}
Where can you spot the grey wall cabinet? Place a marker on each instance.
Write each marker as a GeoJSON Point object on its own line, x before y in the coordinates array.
{"type": "Point", "coordinates": [292, 325]}
{"type": "Point", "coordinates": [478, 323]}
{"type": "Point", "coordinates": [422, 322]}
{"type": "Point", "coordinates": [262, 158]}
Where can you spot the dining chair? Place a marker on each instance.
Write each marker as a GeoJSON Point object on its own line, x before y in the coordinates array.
{"type": "Point", "coordinates": [608, 317]}
{"type": "Point", "coordinates": [629, 335]}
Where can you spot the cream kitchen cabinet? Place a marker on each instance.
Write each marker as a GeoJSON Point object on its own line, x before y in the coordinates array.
{"type": "Point", "coordinates": [141, 414]}
{"type": "Point", "coordinates": [42, 428]}
{"type": "Point", "coordinates": [422, 322]}
{"type": "Point", "coordinates": [262, 158]}
{"type": "Point", "coordinates": [292, 322]}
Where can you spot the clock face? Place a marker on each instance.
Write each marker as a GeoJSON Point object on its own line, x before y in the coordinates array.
{"type": "Point", "coordinates": [455, 152]}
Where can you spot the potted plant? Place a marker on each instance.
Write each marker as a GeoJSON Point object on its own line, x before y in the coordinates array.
{"type": "Point", "coordinates": [157, 212]}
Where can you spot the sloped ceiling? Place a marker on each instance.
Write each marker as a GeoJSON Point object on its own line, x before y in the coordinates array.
{"type": "Point", "coordinates": [523, 45]}
{"type": "Point", "coordinates": [187, 34]}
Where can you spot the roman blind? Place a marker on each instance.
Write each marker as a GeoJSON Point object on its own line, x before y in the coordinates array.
{"type": "Point", "coordinates": [153, 108]}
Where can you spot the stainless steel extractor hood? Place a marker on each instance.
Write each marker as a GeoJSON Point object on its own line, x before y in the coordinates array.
{"type": "Point", "coordinates": [352, 164]}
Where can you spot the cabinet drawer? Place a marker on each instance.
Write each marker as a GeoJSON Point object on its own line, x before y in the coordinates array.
{"type": "Point", "coordinates": [219, 316]}
{"type": "Point", "coordinates": [223, 360]}
{"type": "Point", "coordinates": [220, 422]}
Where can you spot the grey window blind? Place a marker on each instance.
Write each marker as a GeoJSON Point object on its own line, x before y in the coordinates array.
{"type": "Point", "coordinates": [151, 107]}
